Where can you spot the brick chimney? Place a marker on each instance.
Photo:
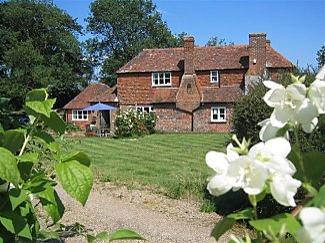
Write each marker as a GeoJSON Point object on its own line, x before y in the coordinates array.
{"type": "Point", "coordinates": [188, 55]}
{"type": "Point", "coordinates": [257, 54]}
{"type": "Point", "coordinates": [188, 96]}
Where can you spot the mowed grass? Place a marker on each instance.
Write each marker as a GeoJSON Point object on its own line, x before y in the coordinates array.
{"type": "Point", "coordinates": [170, 163]}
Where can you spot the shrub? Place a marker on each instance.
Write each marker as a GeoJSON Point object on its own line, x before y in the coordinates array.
{"type": "Point", "coordinates": [132, 123]}
{"type": "Point", "coordinates": [72, 127]}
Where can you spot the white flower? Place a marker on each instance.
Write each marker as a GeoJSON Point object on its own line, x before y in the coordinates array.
{"type": "Point", "coordinates": [248, 174]}
{"type": "Point", "coordinates": [316, 94]}
{"type": "Point", "coordinates": [269, 131]}
{"type": "Point", "coordinates": [220, 182]}
{"type": "Point", "coordinates": [313, 230]}
{"type": "Point", "coordinates": [290, 106]}
{"type": "Point", "coordinates": [283, 188]}
{"type": "Point", "coordinates": [321, 74]}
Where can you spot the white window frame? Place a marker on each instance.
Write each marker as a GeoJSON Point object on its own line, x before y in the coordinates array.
{"type": "Point", "coordinates": [212, 75]}
{"type": "Point", "coordinates": [142, 108]}
{"type": "Point", "coordinates": [83, 113]}
{"type": "Point", "coordinates": [218, 114]}
{"type": "Point", "coordinates": [164, 84]}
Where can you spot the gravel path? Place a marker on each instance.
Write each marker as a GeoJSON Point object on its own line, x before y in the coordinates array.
{"type": "Point", "coordinates": [155, 217]}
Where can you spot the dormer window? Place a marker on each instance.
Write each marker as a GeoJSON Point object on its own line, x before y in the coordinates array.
{"type": "Point", "coordinates": [161, 79]}
{"type": "Point", "coordinates": [214, 76]}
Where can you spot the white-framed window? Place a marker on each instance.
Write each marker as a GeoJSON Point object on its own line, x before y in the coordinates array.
{"type": "Point", "coordinates": [79, 115]}
{"type": "Point", "coordinates": [218, 114]}
{"type": "Point", "coordinates": [161, 79]}
{"type": "Point", "coordinates": [144, 109]}
{"type": "Point", "coordinates": [214, 76]}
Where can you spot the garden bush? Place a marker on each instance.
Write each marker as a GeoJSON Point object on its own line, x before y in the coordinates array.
{"type": "Point", "coordinates": [133, 123]}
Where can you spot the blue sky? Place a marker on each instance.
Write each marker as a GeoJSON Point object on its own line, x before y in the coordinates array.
{"type": "Point", "coordinates": [295, 28]}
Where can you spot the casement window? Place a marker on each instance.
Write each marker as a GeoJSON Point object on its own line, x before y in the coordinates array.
{"type": "Point", "coordinates": [79, 115]}
{"type": "Point", "coordinates": [144, 109]}
{"type": "Point", "coordinates": [161, 79]}
{"type": "Point", "coordinates": [214, 76]}
{"type": "Point", "coordinates": [218, 114]}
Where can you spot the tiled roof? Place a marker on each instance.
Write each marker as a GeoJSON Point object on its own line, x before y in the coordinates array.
{"type": "Point", "coordinates": [206, 58]}
{"type": "Point", "coordinates": [222, 94]}
{"type": "Point", "coordinates": [107, 96]}
{"type": "Point", "coordinates": [83, 99]}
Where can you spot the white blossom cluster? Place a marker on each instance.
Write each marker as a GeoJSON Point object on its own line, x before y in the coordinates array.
{"type": "Point", "coordinates": [296, 104]}
{"type": "Point", "coordinates": [264, 166]}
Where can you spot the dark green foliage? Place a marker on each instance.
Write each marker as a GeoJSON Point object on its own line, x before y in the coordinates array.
{"type": "Point", "coordinates": [321, 56]}
{"type": "Point", "coordinates": [123, 28]}
{"type": "Point", "coordinates": [216, 41]}
{"type": "Point", "coordinates": [248, 112]}
{"type": "Point", "coordinates": [39, 48]}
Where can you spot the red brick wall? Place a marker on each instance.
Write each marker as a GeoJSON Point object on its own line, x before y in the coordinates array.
{"type": "Point", "coordinates": [81, 124]}
{"type": "Point", "coordinates": [226, 77]}
{"type": "Point", "coordinates": [202, 119]}
{"type": "Point", "coordinates": [136, 88]}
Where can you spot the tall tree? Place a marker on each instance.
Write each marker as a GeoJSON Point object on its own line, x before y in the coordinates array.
{"type": "Point", "coordinates": [39, 48]}
{"type": "Point", "coordinates": [216, 41]}
{"type": "Point", "coordinates": [122, 29]}
{"type": "Point", "coordinates": [321, 56]}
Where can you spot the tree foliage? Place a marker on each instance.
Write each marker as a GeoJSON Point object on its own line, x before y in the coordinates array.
{"type": "Point", "coordinates": [39, 48]}
{"type": "Point", "coordinates": [216, 41]}
{"type": "Point", "coordinates": [321, 56]}
{"type": "Point", "coordinates": [122, 28]}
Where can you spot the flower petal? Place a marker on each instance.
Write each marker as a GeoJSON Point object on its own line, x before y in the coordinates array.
{"type": "Point", "coordinates": [312, 216]}
{"type": "Point", "coordinates": [274, 97]}
{"type": "Point", "coordinates": [321, 74]}
{"type": "Point", "coordinates": [316, 94]}
{"type": "Point", "coordinates": [306, 112]}
{"type": "Point", "coordinates": [231, 154]}
{"type": "Point", "coordinates": [283, 188]}
{"type": "Point", "coordinates": [272, 85]}
{"type": "Point", "coordinates": [297, 91]}
{"type": "Point", "coordinates": [217, 161]}
{"type": "Point", "coordinates": [278, 146]}
{"type": "Point", "coordinates": [280, 116]}
{"type": "Point", "coordinates": [309, 127]}
{"type": "Point", "coordinates": [255, 179]}
{"type": "Point", "coordinates": [219, 184]}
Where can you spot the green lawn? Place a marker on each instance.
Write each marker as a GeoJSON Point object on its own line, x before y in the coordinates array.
{"type": "Point", "coordinates": [170, 163]}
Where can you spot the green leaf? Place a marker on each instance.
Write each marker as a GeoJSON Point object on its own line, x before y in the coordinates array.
{"type": "Point", "coordinates": [295, 157]}
{"type": "Point", "coordinates": [37, 95]}
{"type": "Point", "coordinates": [13, 139]}
{"type": "Point", "coordinates": [102, 236]}
{"type": "Point", "coordinates": [76, 179]}
{"type": "Point", "coordinates": [319, 199]}
{"type": "Point", "coordinates": [48, 235]}
{"type": "Point", "coordinates": [222, 227]}
{"type": "Point", "coordinates": [28, 157]}
{"type": "Point", "coordinates": [125, 234]}
{"type": "Point", "coordinates": [81, 157]}
{"type": "Point", "coordinates": [314, 164]}
{"type": "Point", "coordinates": [51, 203]}
{"type": "Point", "coordinates": [55, 122]}
{"type": "Point", "coordinates": [8, 167]}
{"type": "Point", "coordinates": [15, 224]}
{"type": "Point", "coordinates": [247, 213]}
{"type": "Point", "coordinates": [91, 238]}
{"type": "Point", "coordinates": [276, 223]}
{"type": "Point", "coordinates": [47, 138]}
{"type": "Point", "coordinates": [1, 128]}
{"type": "Point", "coordinates": [38, 183]}
{"type": "Point", "coordinates": [41, 107]}
{"type": "Point", "coordinates": [17, 197]}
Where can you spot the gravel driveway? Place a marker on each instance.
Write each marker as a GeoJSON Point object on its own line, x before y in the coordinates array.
{"type": "Point", "coordinates": [154, 216]}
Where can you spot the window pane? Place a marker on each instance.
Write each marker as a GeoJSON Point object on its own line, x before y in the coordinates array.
{"type": "Point", "coordinates": [74, 114]}
{"type": "Point", "coordinates": [161, 78]}
{"type": "Point", "coordinates": [79, 115]}
{"type": "Point", "coordinates": [167, 75]}
{"type": "Point", "coordinates": [85, 115]}
{"type": "Point", "coordinates": [215, 111]}
{"type": "Point", "coordinates": [146, 109]}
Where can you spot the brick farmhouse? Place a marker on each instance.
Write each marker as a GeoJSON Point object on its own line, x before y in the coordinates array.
{"type": "Point", "coordinates": [194, 88]}
{"type": "Point", "coordinates": [190, 88]}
